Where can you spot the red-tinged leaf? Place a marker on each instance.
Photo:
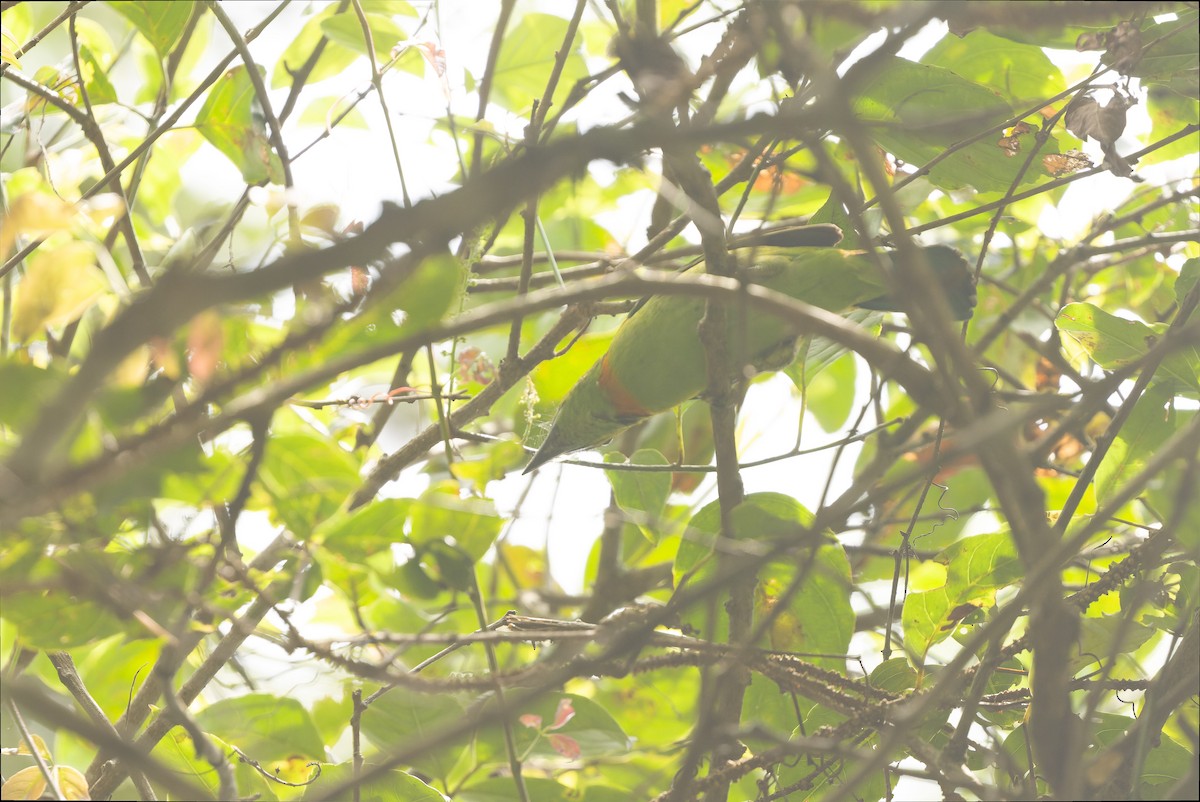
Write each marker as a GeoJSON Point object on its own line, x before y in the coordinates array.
{"type": "Point", "coordinates": [28, 783]}
{"type": "Point", "coordinates": [531, 720]}
{"type": "Point", "coordinates": [565, 745]}
{"type": "Point", "coordinates": [563, 714]}
{"type": "Point", "coordinates": [205, 344]}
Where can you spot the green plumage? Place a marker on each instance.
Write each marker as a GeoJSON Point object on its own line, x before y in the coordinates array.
{"type": "Point", "coordinates": [656, 360]}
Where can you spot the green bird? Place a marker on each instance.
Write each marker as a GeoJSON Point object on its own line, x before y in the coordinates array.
{"type": "Point", "coordinates": [656, 360]}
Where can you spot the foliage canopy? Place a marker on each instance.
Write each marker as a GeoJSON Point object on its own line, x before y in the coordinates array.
{"type": "Point", "coordinates": [262, 529]}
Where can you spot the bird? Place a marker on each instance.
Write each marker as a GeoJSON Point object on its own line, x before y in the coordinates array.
{"type": "Point", "coordinates": [656, 360]}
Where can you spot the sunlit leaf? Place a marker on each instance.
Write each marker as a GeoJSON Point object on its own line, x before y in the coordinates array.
{"type": "Point", "coordinates": [60, 284]}
{"type": "Point", "coordinates": [346, 30]}
{"type": "Point", "coordinates": [333, 58]}
{"type": "Point", "coordinates": [264, 725]}
{"type": "Point", "coordinates": [308, 478]}
{"type": "Point", "coordinates": [1144, 431]}
{"type": "Point", "coordinates": [525, 61]}
{"type": "Point", "coordinates": [917, 111]}
{"type": "Point", "coordinates": [229, 122]}
{"type": "Point", "coordinates": [895, 675]}
{"type": "Point", "coordinates": [100, 90]}
{"type": "Point", "coordinates": [1021, 73]}
{"type": "Point", "coordinates": [638, 491]}
{"type": "Point", "coordinates": [440, 513]}
{"type": "Point", "coordinates": [1114, 342]}
{"type": "Point", "coordinates": [391, 785]}
{"type": "Point", "coordinates": [161, 23]}
{"type": "Point", "coordinates": [400, 718]}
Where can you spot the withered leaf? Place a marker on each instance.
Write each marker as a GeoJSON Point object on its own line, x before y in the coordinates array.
{"type": "Point", "coordinates": [1122, 45]}
{"type": "Point", "coordinates": [1086, 118]}
{"type": "Point", "coordinates": [1060, 164]}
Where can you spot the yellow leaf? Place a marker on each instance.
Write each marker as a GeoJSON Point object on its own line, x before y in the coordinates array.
{"type": "Point", "coordinates": [73, 784]}
{"type": "Point", "coordinates": [8, 49]}
{"type": "Point", "coordinates": [59, 285]}
{"type": "Point", "coordinates": [23, 748]}
{"type": "Point", "coordinates": [28, 783]}
{"type": "Point", "coordinates": [34, 214]}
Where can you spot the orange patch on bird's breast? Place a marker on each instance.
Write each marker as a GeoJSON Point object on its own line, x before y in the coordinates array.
{"type": "Point", "coordinates": [623, 401]}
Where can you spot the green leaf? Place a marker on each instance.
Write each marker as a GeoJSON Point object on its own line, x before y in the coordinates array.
{"type": "Point", "coordinates": [917, 111]}
{"type": "Point", "coordinates": [1020, 73]}
{"type": "Point", "coordinates": [421, 300]}
{"type": "Point", "coordinates": [1147, 428]}
{"type": "Point", "coordinates": [815, 354]}
{"type": "Point", "coordinates": [308, 478]}
{"type": "Point", "coordinates": [58, 620]}
{"type": "Point", "coordinates": [1176, 500]}
{"type": "Point", "coordinates": [99, 89]}
{"type": "Point", "coordinates": [924, 621]}
{"type": "Point", "coordinates": [38, 385]}
{"type": "Point", "coordinates": [405, 717]}
{"type": "Point", "coordinates": [218, 479]}
{"type": "Point", "coordinates": [1170, 112]}
{"type": "Point", "coordinates": [638, 491]}
{"type": "Point", "coordinates": [1189, 275]}
{"type": "Point", "coordinates": [177, 751]}
{"type": "Point", "coordinates": [392, 785]}
{"type": "Point", "coordinates": [441, 515]}
{"type": "Point", "coordinates": [479, 466]}
{"type": "Point", "coordinates": [59, 285]}
{"type": "Point", "coordinates": [331, 715]}
{"type": "Point", "coordinates": [161, 23]}
{"type": "Point", "coordinates": [1113, 342]}
{"type": "Point", "coordinates": [592, 727]}
{"type": "Point", "coordinates": [346, 30]}
{"type": "Point", "coordinates": [834, 211]}
{"type": "Point", "coordinates": [895, 675]}
{"type": "Point", "coordinates": [976, 566]}
{"type": "Point", "coordinates": [816, 618]}
{"type": "Point", "coordinates": [332, 61]}
{"type": "Point", "coordinates": [1058, 489]}
{"type": "Point", "coordinates": [526, 59]}
{"type": "Point", "coordinates": [427, 295]}
{"type": "Point", "coordinates": [501, 789]}
{"type": "Point", "coordinates": [227, 121]}
{"type": "Point", "coordinates": [1164, 768]}
{"type": "Point", "coordinates": [267, 726]}
{"type": "Point", "coordinates": [389, 8]}
{"type": "Point", "coordinates": [761, 516]}
{"type": "Point", "coordinates": [371, 529]}
{"type": "Point", "coordinates": [766, 705]}
{"type": "Point", "coordinates": [1108, 636]}
{"type": "Point", "coordinates": [1171, 57]}
{"type": "Point", "coordinates": [830, 394]}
